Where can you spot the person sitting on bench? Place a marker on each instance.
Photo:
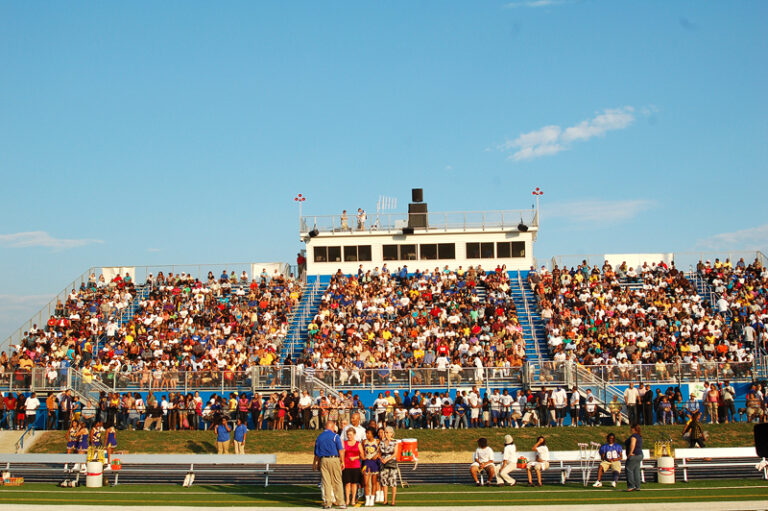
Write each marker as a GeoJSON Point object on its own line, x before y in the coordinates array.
{"type": "Point", "coordinates": [542, 460]}
{"type": "Point", "coordinates": [610, 456]}
{"type": "Point", "coordinates": [482, 460]}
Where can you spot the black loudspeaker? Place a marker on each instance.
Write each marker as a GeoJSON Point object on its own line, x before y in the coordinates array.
{"type": "Point", "coordinates": [407, 230]}
{"type": "Point", "coordinates": [417, 215]}
{"type": "Point", "coordinates": [522, 227]}
{"type": "Point", "coordinates": [314, 232]}
{"type": "Point", "coordinates": [761, 440]}
{"type": "Point", "coordinates": [417, 195]}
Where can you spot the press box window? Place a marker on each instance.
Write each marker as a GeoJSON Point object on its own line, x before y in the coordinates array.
{"type": "Point", "coordinates": [327, 254]}
{"type": "Point", "coordinates": [479, 250]}
{"type": "Point", "coordinates": [357, 253]}
{"type": "Point", "coordinates": [389, 252]}
{"type": "Point", "coordinates": [446, 251]}
{"type": "Point", "coordinates": [428, 251]}
{"type": "Point", "coordinates": [399, 252]}
{"type": "Point", "coordinates": [509, 249]}
{"type": "Point", "coordinates": [408, 253]}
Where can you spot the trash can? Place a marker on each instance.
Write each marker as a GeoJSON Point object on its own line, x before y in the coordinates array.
{"type": "Point", "coordinates": [94, 475]}
{"type": "Point", "coordinates": [666, 469]}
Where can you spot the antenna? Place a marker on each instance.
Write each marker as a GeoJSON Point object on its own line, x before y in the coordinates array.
{"type": "Point", "coordinates": [384, 204]}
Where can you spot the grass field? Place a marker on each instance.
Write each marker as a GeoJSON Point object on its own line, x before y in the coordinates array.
{"type": "Point", "coordinates": [424, 495]}
{"type": "Point", "coordinates": [194, 442]}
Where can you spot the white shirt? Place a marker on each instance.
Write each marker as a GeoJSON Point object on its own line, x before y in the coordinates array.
{"type": "Point", "coordinates": [542, 453]}
{"type": "Point", "coordinates": [510, 454]}
{"type": "Point", "coordinates": [560, 398]}
{"type": "Point", "coordinates": [483, 455]}
{"type": "Point", "coordinates": [359, 432]}
{"type": "Point", "coordinates": [32, 404]}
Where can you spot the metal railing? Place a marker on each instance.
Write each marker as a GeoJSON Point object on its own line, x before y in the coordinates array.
{"type": "Point", "coordinates": [522, 284]}
{"type": "Point", "coordinates": [278, 377]}
{"type": "Point", "coordinates": [46, 311]}
{"type": "Point", "coordinates": [566, 373]}
{"type": "Point", "coordinates": [300, 319]}
{"type": "Point", "coordinates": [451, 220]}
{"type": "Point", "coordinates": [683, 260]}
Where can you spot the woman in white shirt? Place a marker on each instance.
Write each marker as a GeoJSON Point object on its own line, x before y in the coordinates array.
{"type": "Point", "coordinates": [542, 460]}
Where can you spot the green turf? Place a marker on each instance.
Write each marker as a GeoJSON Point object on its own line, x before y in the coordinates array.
{"type": "Point", "coordinates": [566, 438]}
{"type": "Point", "coordinates": [421, 495]}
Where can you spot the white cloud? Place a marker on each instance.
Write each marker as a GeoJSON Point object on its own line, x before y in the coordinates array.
{"type": "Point", "coordinates": [535, 3]}
{"type": "Point", "coordinates": [598, 211]}
{"type": "Point", "coordinates": [42, 239]}
{"type": "Point", "coordinates": [552, 139]}
{"type": "Point", "coordinates": [753, 238]}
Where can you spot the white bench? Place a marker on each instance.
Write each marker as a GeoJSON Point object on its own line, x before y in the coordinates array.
{"type": "Point", "coordinates": [196, 463]}
{"type": "Point", "coordinates": [66, 464]}
{"type": "Point", "coordinates": [715, 457]}
{"type": "Point", "coordinates": [554, 459]}
{"type": "Point", "coordinates": [563, 457]}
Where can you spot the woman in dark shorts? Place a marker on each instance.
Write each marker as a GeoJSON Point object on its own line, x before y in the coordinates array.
{"type": "Point", "coordinates": [351, 475]}
{"type": "Point", "coordinates": [72, 437]}
{"type": "Point", "coordinates": [371, 464]}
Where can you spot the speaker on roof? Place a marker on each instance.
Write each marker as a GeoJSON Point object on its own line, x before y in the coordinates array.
{"type": "Point", "coordinates": [407, 230]}
{"type": "Point", "coordinates": [417, 195]}
{"type": "Point", "coordinates": [761, 440]}
{"type": "Point", "coordinates": [522, 227]}
{"type": "Point", "coordinates": [417, 215]}
{"type": "Point", "coordinates": [314, 232]}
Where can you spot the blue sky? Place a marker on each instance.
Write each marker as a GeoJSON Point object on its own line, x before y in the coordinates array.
{"type": "Point", "coordinates": [179, 132]}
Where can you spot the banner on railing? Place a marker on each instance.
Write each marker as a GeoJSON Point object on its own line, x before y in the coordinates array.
{"type": "Point", "coordinates": [636, 260]}
{"type": "Point", "coordinates": [258, 268]}
{"type": "Point", "coordinates": [111, 272]}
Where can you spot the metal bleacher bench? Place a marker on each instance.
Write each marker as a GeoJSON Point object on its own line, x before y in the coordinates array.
{"type": "Point", "coordinates": [197, 463]}
{"type": "Point", "coordinates": [65, 464]}
{"type": "Point", "coordinates": [558, 460]}
{"type": "Point", "coordinates": [717, 457]}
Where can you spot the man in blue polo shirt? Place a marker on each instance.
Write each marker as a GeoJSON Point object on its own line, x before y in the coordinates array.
{"type": "Point", "coordinates": [329, 460]}
{"type": "Point", "coordinates": [610, 456]}
{"type": "Point", "coordinates": [239, 436]}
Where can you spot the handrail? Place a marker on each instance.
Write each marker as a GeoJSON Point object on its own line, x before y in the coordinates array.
{"type": "Point", "coordinates": [462, 220]}
{"type": "Point", "coordinates": [48, 308]}
{"type": "Point", "coordinates": [530, 319]}
{"type": "Point", "coordinates": [19, 446]}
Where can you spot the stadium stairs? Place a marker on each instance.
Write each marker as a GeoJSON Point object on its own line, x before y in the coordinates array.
{"type": "Point", "coordinates": [298, 331]}
{"type": "Point", "coordinates": [534, 333]}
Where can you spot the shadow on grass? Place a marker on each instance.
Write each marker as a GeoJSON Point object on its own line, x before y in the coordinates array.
{"type": "Point", "coordinates": [278, 495]}
{"type": "Point", "coordinates": [198, 447]}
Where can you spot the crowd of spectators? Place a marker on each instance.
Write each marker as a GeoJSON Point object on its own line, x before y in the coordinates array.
{"type": "Point", "coordinates": [625, 317]}
{"type": "Point", "coordinates": [741, 297]}
{"type": "Point", "coordinates": [398, 321]}
{"type": "Point", "coordinates": [216, 327]}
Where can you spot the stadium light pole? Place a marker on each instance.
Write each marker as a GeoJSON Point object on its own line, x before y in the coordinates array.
{"type": "Point", "coordinates": [538, 192]}
{"type": "Point", "coordinates": [299, 199]}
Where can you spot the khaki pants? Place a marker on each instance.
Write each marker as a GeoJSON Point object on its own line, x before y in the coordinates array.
{"type": "Point", "coordinates": [239, 447]}
{"type": "Point", "coordinates": [157, 421]}
{"type": "Point", "coordinates": [330, 473]}
{"type": "Point", "coordinates": [502, 474]}
{"type": "Point", "coordinates": [222, 447]}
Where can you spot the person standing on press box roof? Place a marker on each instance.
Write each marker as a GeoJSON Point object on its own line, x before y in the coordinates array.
{"type": "Point", "coordinates": [329, 460]}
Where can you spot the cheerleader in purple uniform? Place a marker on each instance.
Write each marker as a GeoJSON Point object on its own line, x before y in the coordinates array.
{"type": "Point", "coordinates": [82, 440]}
{"type": "Point", "coordinates": [111, 440]}
{"type": "Point", "coordinates": [97, 434]}
{"type": "Point", "coordinates": [72, 437]}
{"type": "Point", "coordinates": [371, 464]}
